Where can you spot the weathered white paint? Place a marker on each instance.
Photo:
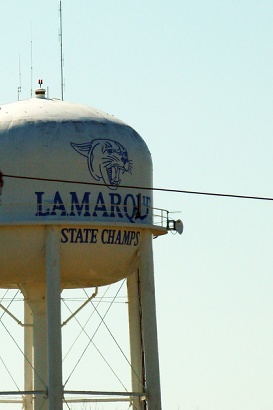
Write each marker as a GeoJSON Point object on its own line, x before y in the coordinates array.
{"type": "Point", "coordinates": [50, 139]}
{"type": "Point", "coordinates": [56, 234]}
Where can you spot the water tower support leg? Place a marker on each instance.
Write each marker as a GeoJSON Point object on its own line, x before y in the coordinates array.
{"type": "Point", "coordinates": [54, 337]}
{"type": "Point", "coordinates": [134, 311]}
{"type": "Point", "coordinates": [147, 289]}
{"type": "Point", "coordinates": [28, 351]}
{"type": "Point", "coordinates": [38, 307]}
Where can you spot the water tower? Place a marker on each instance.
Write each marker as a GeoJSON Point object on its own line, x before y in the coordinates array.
{"type": "Point", "coordinates": [72, 215]}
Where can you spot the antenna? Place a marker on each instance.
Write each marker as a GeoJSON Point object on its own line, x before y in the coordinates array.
{"type": "Point", "coordinates": [19, 87]}
{"type": "Point", "coordinates": [31, 66]}
{"type": "Point", "coordinates": [62, 59]}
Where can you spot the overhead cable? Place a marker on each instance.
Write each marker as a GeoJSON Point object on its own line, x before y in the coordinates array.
{"type": "Point", "coordinates": [178, 191]}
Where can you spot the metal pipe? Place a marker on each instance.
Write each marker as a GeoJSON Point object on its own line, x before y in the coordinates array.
{"type": "Point", "coordinates": [11, 401]}
{"type": "Point", "coordinates": [22, 392]}
{"type": "Point", "coordinates": [13, 317]}
{"type": "Point", "coordinates": [81, 307]}
{"type": "Point", "coordinates": [104, 393]}
{"type": "Point", "coordinates": [97, 400]}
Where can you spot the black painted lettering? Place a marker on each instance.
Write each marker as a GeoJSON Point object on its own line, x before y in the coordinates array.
{"type": "Point", "coordinates": [94, 235]}
{"type": "Point", "coordinates": [115, 205]}
{"type": "Point", "coordinates": [104, 236]}
{"type": "Point", "coordinates": [129, 209]}
{"type": "Point", "coordinates": [118, 240]}
{"type": "Point", "coordinates": [146, 203]}
{"type": "Point", "coordinates": [72, 236]}
{"type": "Point", "coordinates": [126, 238]}
{"type": "Point", "coordinates": [64, 238]}
{"type": "Point", "coordinates": [100, 206]}
{"type": "Point", "coordinates": [137, 238]}
{"type": "Point", "coordinates": [133, 235]}
{"type": "Point", "coordinates": [111, 236]}
{"type": "Point", "coordinates": [79, 207]}
{"type": "Point", "coordinates": [58, 205]}
{"type": "Point", "coordinates": [40, 205]}
{"type": "Point", "coordinates": [79, 237]}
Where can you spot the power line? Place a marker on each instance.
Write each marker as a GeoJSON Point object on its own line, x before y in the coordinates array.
{"type": "Point", "coordinates": [178, 191]}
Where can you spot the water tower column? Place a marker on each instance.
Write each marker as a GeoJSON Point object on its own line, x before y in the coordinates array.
{"type": "Point", "coordinates": [147, 292]}
{"type": "Point", "coordinates": [54, 336]}
{"type": "Point", "coordinates": [136, 342]}
{"type": "Point", "coordinates": [44, 301]}
{"type": "Point", "coordinates": [28, 351]}
{"type": "Point", "coordinates": [36, 299]}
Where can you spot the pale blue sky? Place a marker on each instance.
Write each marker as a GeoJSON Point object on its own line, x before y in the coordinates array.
{"type": "Point", "coordinates": [194, 78]}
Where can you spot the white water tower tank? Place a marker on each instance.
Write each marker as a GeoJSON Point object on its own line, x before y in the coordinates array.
{"type": "Point", "coordinates": [76, 210]}
{"type": "Point", "coordinates": [54, 142]}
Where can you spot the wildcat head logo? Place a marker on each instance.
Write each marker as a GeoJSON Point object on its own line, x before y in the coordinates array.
{"type": "Point", "coordinates": [107, 160]}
